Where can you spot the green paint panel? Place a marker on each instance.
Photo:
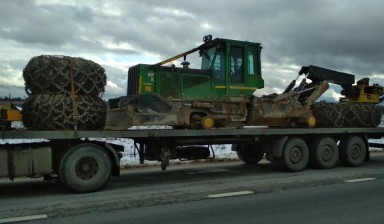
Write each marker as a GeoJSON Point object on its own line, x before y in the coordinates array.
{"type": "Point", "coordinates": [229, 68]}
{"type": "Point", "coordinates": [197, 87]}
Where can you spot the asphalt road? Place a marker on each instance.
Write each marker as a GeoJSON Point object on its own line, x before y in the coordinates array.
{"type": "Point", "coordinates": [340, 203]}
{"type": "Point", "coordinates": [195, 194]}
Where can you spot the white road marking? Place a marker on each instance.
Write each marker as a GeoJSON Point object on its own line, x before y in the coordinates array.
{"type": "Point", "coordinates": [360, 180]}
{"type": "Point", "coordinates": [23, 218]}
{"type": "Point", "coordinates": [230, 194]}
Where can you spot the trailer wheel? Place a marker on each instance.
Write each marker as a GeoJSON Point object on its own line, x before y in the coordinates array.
{"type": "Point", "coordinates": [250, 153]}
{"type": "Point", "coordinates": [352, 151]}
{"type": "Point", "coordinates": [323, 153]}
{"type": "Point", "coordinates": [85, 168]}
{"type": "Point", "coordinates": [295, 155]}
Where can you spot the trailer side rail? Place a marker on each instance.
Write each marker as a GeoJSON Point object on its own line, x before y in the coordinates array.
{"type": "Point", "coordinates": [165, 133]}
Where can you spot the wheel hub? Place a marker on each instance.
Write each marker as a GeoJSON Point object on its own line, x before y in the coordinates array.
{"type": "Point", "coordinates": [295, 155]}
{"type": "Point", "coordinates": [86, 168]}
{"type": "Point", "coordinates": [355, 152]}
{"type": "Point", "coordinates": [326, 153]}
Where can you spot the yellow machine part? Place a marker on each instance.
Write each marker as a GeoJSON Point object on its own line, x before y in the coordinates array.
{"type": "Point", "coordinates": [311, 122]}
{"type": "Point", "coordinates": [368, 94]}
{"type": "Point", "coordinates": [13, 114]}
{"type": "Point", "coordinates": [208, 122]}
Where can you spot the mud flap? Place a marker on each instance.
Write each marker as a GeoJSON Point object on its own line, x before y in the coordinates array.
{"type": "Point", "coordinates": [276, 147]}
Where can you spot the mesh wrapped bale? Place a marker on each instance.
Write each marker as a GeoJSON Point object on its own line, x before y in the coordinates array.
{"type": "Point", "coordinates": [340, 115]}
{"type": "Point", "coordinates": [55, 112]}
{"type": "Point", "coordinates": [52, 74]}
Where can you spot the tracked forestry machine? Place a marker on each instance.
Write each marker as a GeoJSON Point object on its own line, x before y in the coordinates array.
{"type": "Point", "coordinates": [220, 94]}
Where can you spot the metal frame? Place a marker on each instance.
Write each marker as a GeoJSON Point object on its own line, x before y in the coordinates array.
{"type": "Point", "coordinates": [171, 133]}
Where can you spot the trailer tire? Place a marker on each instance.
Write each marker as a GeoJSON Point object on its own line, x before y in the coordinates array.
{"type": "Point", "coordinates": [323, 153]}
{"type": "Point", "coordinates": [352, 151]}
{"type": "Point", "coordinates": [55, 112]}
{"type": "Point", "coordinates": [52, 74]}
{"type": "Point", "coordinates": [85, 168]}
{"type": "Point", "coordinates": [250, 153]}
{"type": "Point", "coordinates": [295, 155]}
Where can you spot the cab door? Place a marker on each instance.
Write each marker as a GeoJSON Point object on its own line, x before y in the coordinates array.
{"type": "Point", "coordinates": [253, 70]}
{"type": "Point", "coordinates": [243, 71]}
{"type": "Point", "coordinates": [236, 82]}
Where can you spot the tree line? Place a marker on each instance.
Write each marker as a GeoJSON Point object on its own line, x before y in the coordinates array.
{"type": "Point", "coordinates": [7, 98]}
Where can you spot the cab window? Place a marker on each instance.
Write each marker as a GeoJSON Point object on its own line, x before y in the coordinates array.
{"type": "Point", "coordinates": [214, 59]}
{"type": "Point", "coordinates": [237, 64]}
{"type": "Point", "coordinates": [252, 56]}
{"type": "Point", "coordinates": [218, 68]}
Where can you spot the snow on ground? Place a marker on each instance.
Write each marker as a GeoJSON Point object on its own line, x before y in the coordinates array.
{"type": "Point", "coordinates": [131, 158]}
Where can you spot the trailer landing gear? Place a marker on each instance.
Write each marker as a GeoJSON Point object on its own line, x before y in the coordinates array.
{"type": "Point", "coordinates": [165, 157]}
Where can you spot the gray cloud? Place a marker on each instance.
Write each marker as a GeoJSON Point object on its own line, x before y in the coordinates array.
{"type": "Point", "coordinates": [343, 35]}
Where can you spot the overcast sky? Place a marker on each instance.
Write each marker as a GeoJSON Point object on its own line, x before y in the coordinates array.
{"type": "Point", "coordinates": [345, 35]}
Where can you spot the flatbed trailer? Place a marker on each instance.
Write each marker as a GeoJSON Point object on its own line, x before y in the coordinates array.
{"type": "Point", "coordinates": [206, 106]}
{"type": "Point", "coordinates": [84, 161]}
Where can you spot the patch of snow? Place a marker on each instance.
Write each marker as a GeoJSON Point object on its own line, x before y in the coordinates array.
{"type": "Point", "coordinates": [130, 157]}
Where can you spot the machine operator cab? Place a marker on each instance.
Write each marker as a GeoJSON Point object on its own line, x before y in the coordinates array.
{"type": "Point", "coordinates": [228, 68]}
{"type": "Point", "coordinates": [235, 66]}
